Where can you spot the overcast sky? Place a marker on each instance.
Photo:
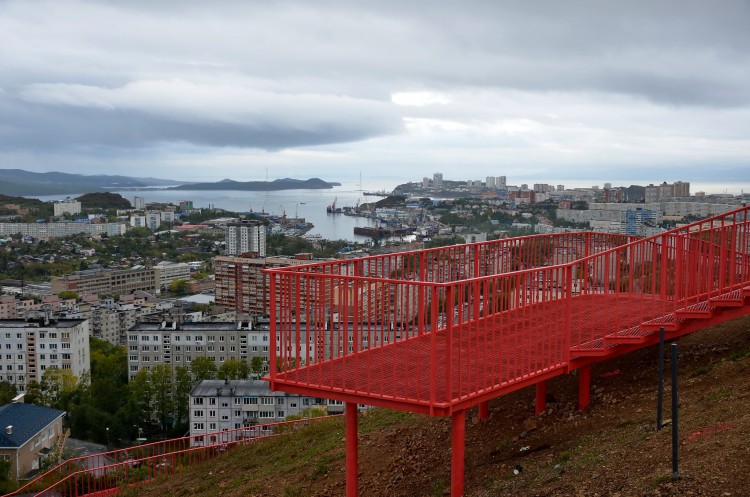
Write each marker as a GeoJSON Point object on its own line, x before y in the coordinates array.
{"type": "Point", "coordinates": [536, 91]}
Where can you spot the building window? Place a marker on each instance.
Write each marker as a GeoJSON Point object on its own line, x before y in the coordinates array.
{"type": "Point", "coordinates": [198, 401]}
{"type": "Point", "coordinates": [197, 426]}
{"type": "Point", "coordinates": [198, 414]}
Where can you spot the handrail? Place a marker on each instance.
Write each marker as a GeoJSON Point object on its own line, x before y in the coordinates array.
{"type": "Point", "coordinates": [177, 445]}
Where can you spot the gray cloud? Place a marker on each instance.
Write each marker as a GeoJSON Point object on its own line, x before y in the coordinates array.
{"type": "Point", "coordinates": [99, 77]}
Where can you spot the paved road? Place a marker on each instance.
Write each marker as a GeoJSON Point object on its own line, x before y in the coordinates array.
{"type": "Point", "coordinates": [79, 448]}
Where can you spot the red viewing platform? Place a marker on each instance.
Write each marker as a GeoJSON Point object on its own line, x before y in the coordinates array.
{"type": "Point", "coordinates": [438, 331]}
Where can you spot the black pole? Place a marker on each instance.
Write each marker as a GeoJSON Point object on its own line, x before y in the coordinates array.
{"type": "Point", "coordinates": [660, 388]}
{"type": "Point", "coordinates": [675, 441]}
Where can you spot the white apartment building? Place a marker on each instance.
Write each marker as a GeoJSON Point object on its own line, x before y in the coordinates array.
{"type": "Point", "coordinates": [31, 346]}
{"type": "Point", "coordinates": [139, 203]}
{"type": "Point", "coordinates": [218, 405]}
{"type": "Point", "coordinates": [151, 344]}
{"type": "Point", "coordinates": [167, 272]}
{"type": "Point", "coordinates": [46, 231]}
{"type": "Point", "coordinates": [66, 206]}
{"type": "Point", "coordinates": [245, 236]}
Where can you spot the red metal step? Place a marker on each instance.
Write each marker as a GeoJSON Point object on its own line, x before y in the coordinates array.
{"type": "Point", "coordinates": [701, 310]}
{"type": "Point", "coordinates": [630, 336]}
{"type": "Point", "coordinates": [668, 322]}
{"type": "Point", "coordinates": [731, 299]}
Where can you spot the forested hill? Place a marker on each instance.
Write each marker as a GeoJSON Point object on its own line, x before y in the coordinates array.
{"type": "Point", "coordinates": [279, 184]}
{"type": "Point", "coordinates": [20, 182]}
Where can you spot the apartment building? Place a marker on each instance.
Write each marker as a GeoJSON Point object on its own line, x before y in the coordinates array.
{"type": "Point", "coordinates": [167, 272]}
{"type": "Point", "coordinates": [13, 308]}
{"type": "Point", "coordinates": [105, 281]}
{"type": "Point", "coordinates": [31, 346]}
{"type": "Point", "coordinates": [66, 206]}
{"type": "Point", "coordinates": [151, 344]}
{"type": "Point", "coordinates": [46, 231]}
{"type": "Point", "coordinates": [218, 405]}
{"type": "Point", "coordinates": [245, 236]}
{"type": "Point", "coordinates": [240, 283]}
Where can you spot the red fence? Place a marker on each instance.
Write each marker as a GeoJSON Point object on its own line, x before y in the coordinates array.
{"type": "Point", "coordinates": [106, 472]}
{"type": "Point", "coordinates": [436, 330]}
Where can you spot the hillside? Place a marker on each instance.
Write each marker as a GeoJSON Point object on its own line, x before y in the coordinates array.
{"type": "Point", "coordinates": [103, 200]}
{"type": "Point", "coordinates": [610, 449]}
{"type": "Point", "coordinates": [20, 182]}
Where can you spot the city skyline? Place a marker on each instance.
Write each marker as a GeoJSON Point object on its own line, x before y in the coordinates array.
{"type": "Point", "coordinates": [580, 92]}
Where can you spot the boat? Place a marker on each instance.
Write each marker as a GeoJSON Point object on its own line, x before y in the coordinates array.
{"type": "Point", "coordinates": [381, 193]}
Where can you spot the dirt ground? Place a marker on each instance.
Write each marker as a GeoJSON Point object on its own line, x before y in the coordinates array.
{"type": "Point", "coordinates": [612, 448]}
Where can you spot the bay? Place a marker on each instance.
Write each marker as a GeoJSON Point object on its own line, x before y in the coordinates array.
{"type": "Point", "coordinates": [309, 204]}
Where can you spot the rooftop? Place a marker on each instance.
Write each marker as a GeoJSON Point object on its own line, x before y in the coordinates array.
{"type": "Point", "coordinates": [27, 420]}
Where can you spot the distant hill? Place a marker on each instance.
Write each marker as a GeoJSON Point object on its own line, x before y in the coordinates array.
{"type": "Point", "coordinates": [264, 186]}
{"type": "Point", "coordinates": [103, 200]}
{"type": "Point", "coordinates": [20, 182]}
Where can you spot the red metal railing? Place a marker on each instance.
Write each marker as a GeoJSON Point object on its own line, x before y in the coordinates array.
{"type": "Point", "coordinates": [114, 469]}
{"type": "Point", "coordinates": [435, 330]}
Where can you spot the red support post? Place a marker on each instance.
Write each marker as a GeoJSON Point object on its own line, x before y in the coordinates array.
{"type": "Point", "coordinates": [541, 397]}
{"type": "Point", "coordinates": [352, 460]}
{"type": "Point", "coordinates": [458, 442]}
{"type": "Point", "coordinates": [484, 410]}
{"type": "Point", "coordinates": [584, 387]}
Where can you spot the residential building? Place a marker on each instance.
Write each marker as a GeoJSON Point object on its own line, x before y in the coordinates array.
{"type": "Point", "coordinates": [178, 344]}
{"type": "Point", "coordinates": [219, 405]}
{"type": "Point", "coordinates": [139, 203]}
{"type": "Point", "coordinates": [167, 272]}
{"type": "Point", "coordinates": [29, 433]}
{"type": "Point", "coordinates": [437, 181]}
{"type": "Point", "coordinates": [637, 222]}
{"type": "Point", "coordinates": [66, 206]}
{"type": "Point", "coordinates": [241, 284]}
{"type": "Point", "coordinates": [46, 231]}
{"type": "Point", "coordinates": [31, 346]}
{"type": "Point", "coordinates": [245, 236]}
{"type": "Point", "coordinates": [106, 281]}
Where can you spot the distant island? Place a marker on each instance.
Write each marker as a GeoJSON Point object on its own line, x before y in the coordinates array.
{"type": "Point", "coordinates": [262, 186]}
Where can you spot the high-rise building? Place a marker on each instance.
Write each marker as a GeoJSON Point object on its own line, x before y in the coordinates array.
{"type": "Point", "coordinates": [139, 203]}
{"type": "Point", "coordinates": [33, 345]}
{"type": "Point", "coordinates": [437, 180]}
{"type": "Point", "coordinates": [425, 182]}
{"type": "Point", "coordinates": [241, 284]}
{"type": "Point", "coordinates": [246, 236]}
{"type": "Point", "coordinates": [501, 181]}
{"type": "Point", "coordinates": [681, 189]}
{"type": "Point", "coordinates": [490, 182]}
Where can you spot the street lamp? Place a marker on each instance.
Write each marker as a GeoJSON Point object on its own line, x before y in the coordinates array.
{"type": "Point", "coordinates": [107, 437]}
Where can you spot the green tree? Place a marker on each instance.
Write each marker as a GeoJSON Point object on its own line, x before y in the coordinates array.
{"type": "Point", "coordinates": [161, 387]}
{"type": "Point", "coordinates": [68, 294]}
{"type": "Point", "coordinates": [58, 386]}
{"type": "Point", "coordinates": [232, 369]}
{"type": "Point", "coordinates": [183, 384]}
{"type": "Point", "coordinates": [203, 368]}
{"type": "Point", "coordinates": [178, 287]}
{"type": "Point", "coordinates": [141, 395]}
{"type": "Point", "coordinates": [7, 392]}
{"type": "Point", "coordinates": [256, 366]}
